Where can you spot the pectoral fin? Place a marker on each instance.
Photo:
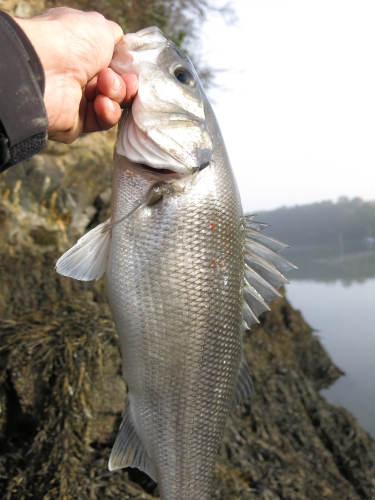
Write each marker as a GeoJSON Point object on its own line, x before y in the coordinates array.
{"type": "Point", "coordinates": [244, 387]}
{"type": "Point", "coordinates": [87, 259]}
{"type": "Point", "coordinates": [128, 450]}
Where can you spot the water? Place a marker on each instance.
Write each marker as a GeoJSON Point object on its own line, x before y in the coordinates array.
{"type": "Point", "coordinates": [335, 290]}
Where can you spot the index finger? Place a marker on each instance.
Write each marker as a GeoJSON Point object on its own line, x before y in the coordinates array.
{"type": "Point", "coordinates": [116, 31]}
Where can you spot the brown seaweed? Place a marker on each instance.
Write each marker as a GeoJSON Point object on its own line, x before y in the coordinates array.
{"type": "Point", "coordinates": [62, 395]}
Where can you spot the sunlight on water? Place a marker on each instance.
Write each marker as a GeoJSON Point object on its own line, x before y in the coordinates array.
{"type": "Point", "coordinates": [343, 312]}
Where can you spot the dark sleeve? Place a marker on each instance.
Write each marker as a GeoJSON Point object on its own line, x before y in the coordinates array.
{"type": "Point", "coordinates": [23, 117]}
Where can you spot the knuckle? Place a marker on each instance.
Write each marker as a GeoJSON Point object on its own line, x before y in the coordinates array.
{"type": "Point", "coordinates": [97, 16]}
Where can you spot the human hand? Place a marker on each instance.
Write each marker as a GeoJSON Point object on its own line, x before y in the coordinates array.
{"type": "Point", "coordinates": [81, 94]}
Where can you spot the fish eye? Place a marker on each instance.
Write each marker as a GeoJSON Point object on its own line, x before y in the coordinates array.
{"type": "Point", "coordinates": [184, 76]}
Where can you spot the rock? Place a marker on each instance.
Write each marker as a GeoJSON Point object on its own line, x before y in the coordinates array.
{"type": "Point", "coordinates": [51, 200]}
{"type": "Point", "coordinates": [23, 10]}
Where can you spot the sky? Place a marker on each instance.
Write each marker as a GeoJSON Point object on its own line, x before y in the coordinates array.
{"type": "Point", "coordinates": [296, 102]}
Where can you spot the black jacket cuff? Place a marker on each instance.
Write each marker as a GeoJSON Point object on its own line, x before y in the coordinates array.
{"type": "Point", "coordinates": [23, 117]}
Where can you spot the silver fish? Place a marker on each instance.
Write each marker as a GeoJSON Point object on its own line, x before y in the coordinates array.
{"type": "Point", "coordinates": [180, 258]}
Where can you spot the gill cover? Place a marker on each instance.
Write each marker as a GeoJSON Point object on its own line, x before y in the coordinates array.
{"type": "Point", "coordinates": [166, 127]}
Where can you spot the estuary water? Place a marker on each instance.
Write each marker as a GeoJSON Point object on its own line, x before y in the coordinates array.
{"type": "Point", "coordinates": [334, 288]}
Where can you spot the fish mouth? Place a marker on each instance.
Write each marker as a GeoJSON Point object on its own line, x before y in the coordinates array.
{"type": "Point", "coordinates": [162, 171]}
{"type": "Point", "coordinates": [166, 171]}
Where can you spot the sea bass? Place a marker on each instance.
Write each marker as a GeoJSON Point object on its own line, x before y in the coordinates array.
{"type": "Point", "coordinates": [186, 272]}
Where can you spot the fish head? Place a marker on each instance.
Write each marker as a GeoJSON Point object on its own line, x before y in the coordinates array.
{"type": "Point", "coordinates": [166, 127]}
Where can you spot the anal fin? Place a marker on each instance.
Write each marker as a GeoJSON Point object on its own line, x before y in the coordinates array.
{"type": "Point", "coordinates": [244, 387]}
{"type": "Point", "coordinates": [128, 450]}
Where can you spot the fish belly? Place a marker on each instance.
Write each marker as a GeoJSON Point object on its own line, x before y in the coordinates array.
{"type": "Point", "coordinates": [175, 286]}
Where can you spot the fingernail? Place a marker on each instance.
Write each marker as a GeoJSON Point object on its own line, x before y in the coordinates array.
{"type": "Point", "coordinates": [116, 83]}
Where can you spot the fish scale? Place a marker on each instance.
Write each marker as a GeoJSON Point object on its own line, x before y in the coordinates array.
{"type": "Point", "coordinates": [177, 339]}
{"type": "Point", "coordinates": [176, 252]}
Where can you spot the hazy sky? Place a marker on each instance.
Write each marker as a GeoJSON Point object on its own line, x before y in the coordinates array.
{"type": "Point", "coordinates": [298, 109]}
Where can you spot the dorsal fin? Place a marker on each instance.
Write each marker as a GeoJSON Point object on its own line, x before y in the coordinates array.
{"type": "Point", "coordinates": [265, 289]}
{"type": "Point", "coordinates": [128, 450]}
{"type": "Point", "coordinates": [263, 270]}
{"type": "Point", "coordinates": [260, 250]}
{"type": "Point", "coordinates": [244, 387]}
{"type": "Point", "coordinates": [254, 299]}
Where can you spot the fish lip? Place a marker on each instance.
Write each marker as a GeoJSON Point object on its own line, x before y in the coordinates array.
{"type": "Point", "coordinates": [158, 171]}
{"type": "Point", "coordinates": [164, 172]}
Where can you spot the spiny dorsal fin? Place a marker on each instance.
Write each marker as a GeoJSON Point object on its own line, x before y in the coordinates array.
{"type": "Point", "coordinates": [244, 387]}
{"type": "Point", "coordinates": [267, 241]}
{"type": "Point", "coordinates": [263, 270]}
{"type": "Point", "coordinates": [87, 259]}
{"type": "Point", "coordinates": [251, 224]}
{"type": "Point", "coordinates": [254, 299]}
{"type": "Point", "coordinates": [249, 316]}
{"type": "Point", "coordinates": [128, 450]}
{"type": "Point", "coordinates": [259, 250]}
{"type": "Point", "coordinates": [266, 290]}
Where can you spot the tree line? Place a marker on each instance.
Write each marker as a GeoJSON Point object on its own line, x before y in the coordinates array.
{"type": "Point", "coordinates": [323, 223]}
